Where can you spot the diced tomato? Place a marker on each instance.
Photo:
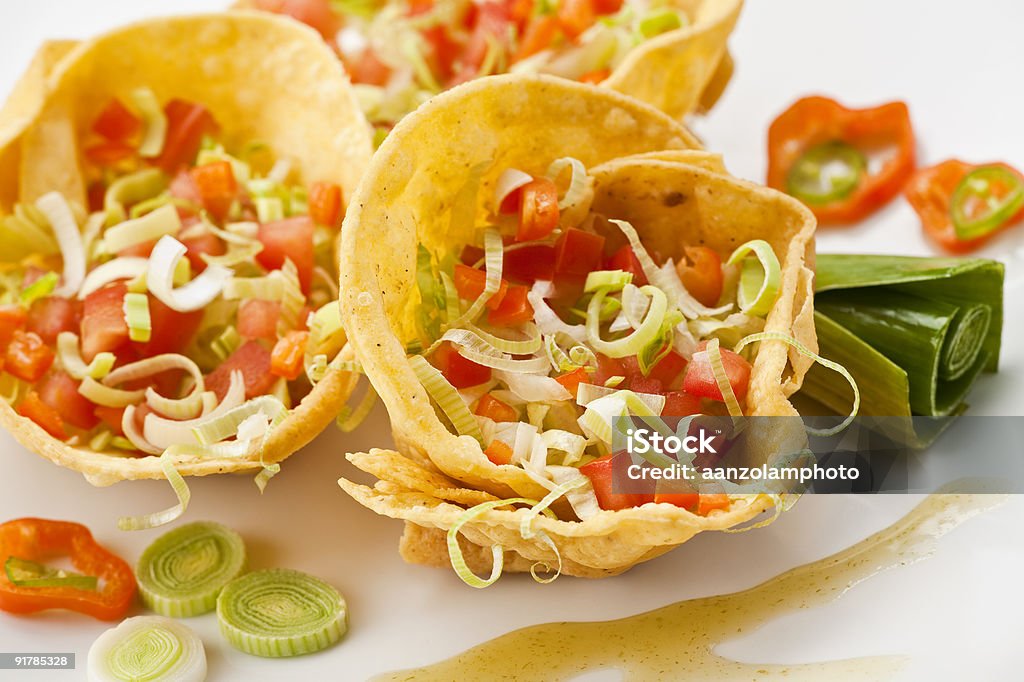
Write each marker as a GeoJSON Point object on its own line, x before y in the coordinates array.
{"type": "Point", "coordinates": [606, 6]}
{"type": "Point", "coordinates": [520, 11]}
{"type": "Point", "coordinates": [471, 255]}
{"type": "Point", "coordinates": [187, 123]}
{"type": "Point", "coordinates": [103, 324]}
{"type": "Point", "coordinates": [460, 372]}
{"type": "Point", "coordinates": [139, 250]}
{"type": "Point", "coordinates": [12, 318]}
{"type": "Point", "coordinates": [27, 357]}
{"type": "Point", "coordinates": [116, 122]}
{"type": "Point", "coordinates": [286, 360]}
{"type": "Point", "coordinates": [578, 252]}
{"type": "Point", "coordinates": [109, 153]}
{"type": "Point", "coordinates": [470, 284]}
{"type": "Point", "coordinates": [679, 493]}
{"type": "Point", "coordinates": [538, 210]}
{"type": "Point", "coordinates": [441, 52]}
{"type": "Point", "coordinates": [172, 331]}
{"type": "Point", "coordinates": [207, 243]}
{"type": "Point", "coordinates": [368, 69]}
{"type": "Point", "coordinates": [182, 187]}
{"type": "Point", "coordinates": [95, 194]}
{"type": "Point", "coordinates": [642, 384]}
{"type": "Point", "coordinates": [595, 77]}
{"type": "Point", "coordinates": [624, 259]}
{"type": "Point", "coordinates": [495, 409]}
{"type": "Point", "coordinates": [699, 379]}
{"type": "Point", "coordinates": [499, 452]}
{"type": "Point", "coordinates": [711, 501]}
{"type": "Point", "coordinates": [539, 35]}
{"type": "Point", "coordinates": [217, 187]}
{"type": "Point", "coordinates": [704, 277]}
{"type": "Point", "coordinates": [515, 308]}
{"type": "Point", "coordinates": [680, 404]}
{"type": "Point", "coordinates": [571, 381]}
{"type": "Point", "coordinates": [52, 315]}
{"type": "Point", "coordinates": [289, 238]}
{"type": "Point", "coordinates": [42, 414]}
{"type": "Point", "coordinates": [607, 368]}
{"type": "Point", "coordinates": [325, 204]}
{"type": "Point", "coordinates": [529, 263]}
{"type": "Point", "coordinates": [576, 16]}
{"type": "Point", "coordinates": [668, 369]}
{"type": "Point", "coordinates": [600, 473]}
{"type": "Point", "coordinates": [257, 319]}
{"type": "Point", "coordinates": [111, 416]}
{"type": "Point", "coordinates": [490, 27]}
{"type": "Point", "coordinates": [253, 360]}
{"type": "Point", "coordinates": [60, 391]}
{"type": "Point", "coordinates": [317, 14]}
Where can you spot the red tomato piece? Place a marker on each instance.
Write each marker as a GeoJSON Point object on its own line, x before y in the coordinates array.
{"type": "Point", "coordinates": [12, 318]}
{"type": "Point", "coordinates": [595, 77]}
{"type": "Point", "coordinates": [712, 501]}
{"type": "Point", "coordinates": [680, 404]}
{"type": "Point", "coordinates": [642, 384]}
{"type": "Point", "coordinates": [470, 283]}
{"type": "Point", "coordinates": [52, 315]}
{"type": "Point", "coordinates": [538, 210]}
{"type": "Point", "coordinates": [529, 263]}
{"type": "Point", "coordinates": [286, 360]}
{"type": "Point", "coordinates": [668, 369]}
{"type": "Point", "coordinates": [109, 153]}
{"type": "Point", "coordinates": [540, 33]}
{"type": "Point", "coordinates": [317, 14]}
{"type": "Point", "coordinates": [699, 379]}
{"type": "Point", "coordinates": [460, 372]}
{"type": "Point", "coordinates": [624, 259]}
{"type": "Point", "coordinates": [103, 324]}
{"type": "Point", "coordinates": [289, 238]}
{"type": "Point", "coordinates": [172, 331]}
{"type": "Point", "coordinates": [325, 204]}
{"type": "Point", "coordinates": [515, 308]}
{"type": "Point", "coordinates": [607, 368]}
{"type": "Point", "coordinates": [575, 17]}
{"type": "Point", "coordinates": [60, 392]}
{"type": "Point", "coordinates": [495, 409]}
{"type": "Point", "coordinates": [601, 471]}
{"type": "Point", "coordinates": [207, 243]}
{"type": "Point", "coordinates": [111, 417]}
{"type": "Point", "coordinates": [217, 187]}
{"type": "Point", "coordinates": [116, 122]}
{"type": "Point", "coordinates": [187, 123]}
{"type": "Point", "coordinates": [471, 255]}
{"type": "Point", "coordinates": [499, 453]}
{"type": "Point", "coordinates": [368, 69]}
{"type": "Point", "coordinates": [704, 277]}
{"type": "Point", "coordinates": [571, 381]}
{"type": "Point", "coordinates": [607, 6]}
{"type": "Point", "coordinates": [46, 417]}
{"type": "Point", "coordinates": [182, 187]}
{"type": "Point", "coordinates": [578, 252]}
{"type": "Point", "coordinates": [491, 25]}
{"type": "Point", "coordinates": [253, 360]}
{"type": "Point", "coordinates": [679, 493]}
{"type": "Point", "coordinates": [27, 357]}
{"type": "Point", "coordinates": [257, 319]}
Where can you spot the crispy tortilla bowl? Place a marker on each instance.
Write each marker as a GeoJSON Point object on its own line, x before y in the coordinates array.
{"type": "Point", "coordinates": [293, 96]}
{"type": "Point", "coordinates": [673, 198]}
{"type": "Point", "coordinates": [679, 71]}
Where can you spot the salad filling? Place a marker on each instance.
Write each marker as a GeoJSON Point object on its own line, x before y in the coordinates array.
{"type": "Point", "coordinates": [187, 307]}
{"type": "Point", "coordinates": [561, 319]}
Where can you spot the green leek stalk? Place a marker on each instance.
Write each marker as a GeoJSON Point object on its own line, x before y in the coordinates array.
{"type": "Point", "coordinates": [914, 332]}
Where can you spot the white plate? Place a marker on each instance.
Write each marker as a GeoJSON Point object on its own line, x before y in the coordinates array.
{"type": "Point", "coordinates": [954, 614]}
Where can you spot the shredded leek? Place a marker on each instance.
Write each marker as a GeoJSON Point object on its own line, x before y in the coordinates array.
{"type": "Point", "coordinates": [161, 518]}
{"type": "Point", "coordinates": [71, 359]}
{"type": "Point", "coordinates": [278, 612]}
{"type": "Point", "coordinates": [216, 429]}
{"type": "Point", "coordinates": [136, 316]}
{"type": "Point", "coordinates": [147, 648]}
{"type": "Point", "coordinates": [150, 227]}
{"type": "Point", "coordinates": [759, 278]}
{"type": "Point", "coordinates": [714, 353]}
{"type": "Point", "coordinates": [183, 571]}
{"type": "Point", "coordinates": [107, 396]}
{"type": "Point", "coordinates": [41, 288]}
{"type": "Point", "coordinates": [497, 553]}
{"type": "Point", "coordinates": [349, 419]}
{"type": "Point", "coordinates": [65, 228]}
{"type": "Point", "coordinates": [131, 189]}
{"type": "Point", "coordinates": [446, 397]}
{"type": "Point", "coordinates": [494, 256]}
{"type": "Point", "coordinates": [612, 280]}
{"type": "Point", "coordinates": [160, 278]}
{"type": "Point", "coordinates": [646, 333]}
{"type": "Point", "coordinates": [156, 122]}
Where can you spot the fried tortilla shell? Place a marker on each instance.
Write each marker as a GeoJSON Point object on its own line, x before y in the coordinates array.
{"type": "Point", "coordinates": [264, 78]}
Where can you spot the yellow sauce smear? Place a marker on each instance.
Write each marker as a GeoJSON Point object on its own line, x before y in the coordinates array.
{"type": "Point", "coordinates": [677, 641]}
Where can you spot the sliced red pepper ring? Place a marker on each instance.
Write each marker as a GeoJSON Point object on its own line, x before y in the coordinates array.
{"type": "Point", "coordinates": [37, 540]}
{"type": "Point", "coordinates": [985, 199]}
{"type": "Point", "coordinates": [818, 151]}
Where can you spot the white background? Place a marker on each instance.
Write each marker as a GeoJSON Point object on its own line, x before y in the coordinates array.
{"type": "Point", "coordinates": [956, 615]}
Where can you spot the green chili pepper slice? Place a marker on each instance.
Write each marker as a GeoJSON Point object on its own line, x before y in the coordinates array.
{"type": "Point", "coordinates": [25, 573]}
{"type": "Point", "coordinates": [826, 173]}
{"type": "Point", "coordinates": [984, 200]}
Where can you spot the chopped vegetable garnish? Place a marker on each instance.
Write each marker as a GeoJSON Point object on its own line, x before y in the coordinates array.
{"type": "Point", "coordinates": [277, 613]}
{"type": "Point", "coordinates": [182, 573]}
{"type": "Point", "coordinates": [33, 541]}
{"type": "Point", "coordinates": [148, 648]}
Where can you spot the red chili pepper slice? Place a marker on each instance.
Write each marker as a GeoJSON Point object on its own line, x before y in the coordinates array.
{"type": "Point", "coordinates": [40, 540]}
{"type": "Point", "coordinates": [819, 151]}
